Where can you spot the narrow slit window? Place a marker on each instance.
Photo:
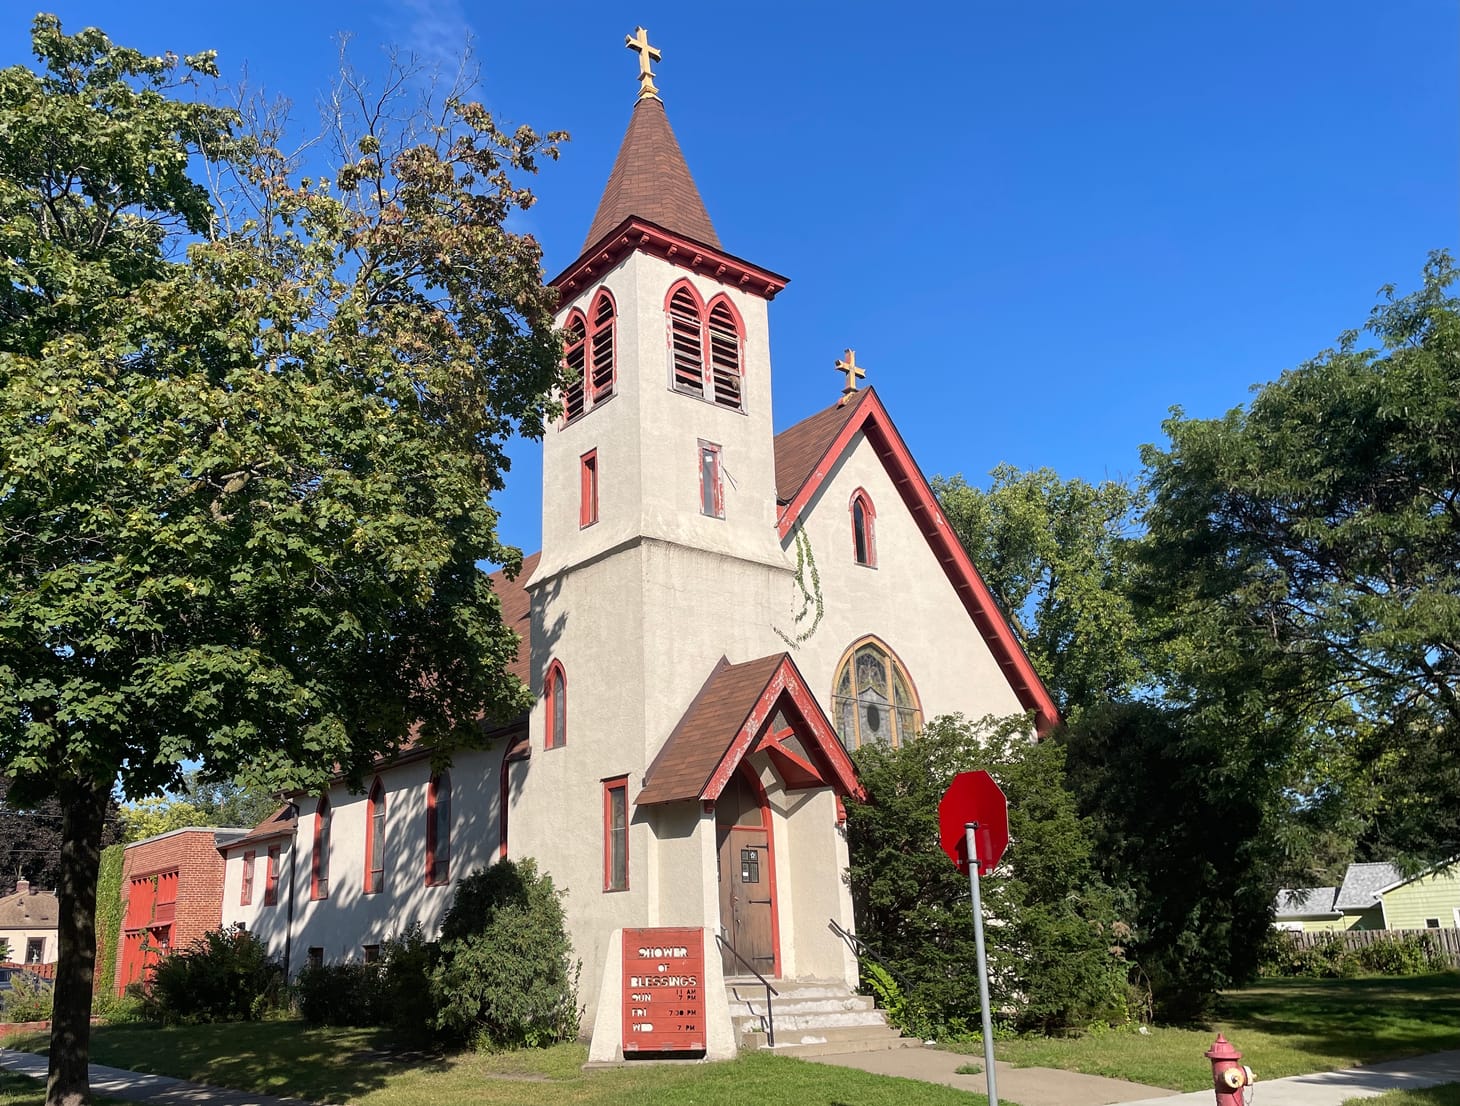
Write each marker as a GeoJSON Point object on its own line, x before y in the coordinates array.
{"type": "Point", "coordinates": [438, 830]}
{"type": "Point", "coordinates": [588, 499]}
{"type": "Point", "coordinates": [319, 884]}
{"type": "Point", "coordinates": [601, 348]}
{"type": "Point", "coordinates": [687, 342]}
{"type": "Point", "coordinates": [375, 839]}
{"type": "Point", "coordinates": [245, 896]}
{"type": "Point", "coordinates": [271, 877]}
{"type": "Point", "coordinates": [712, 494]}
{"type": "Point", "coordinates": [557, 707]}
{"type": "Point", "coordinates": [864, 535]}
{"type": "Point", "coordinates": [575, 362]}
{"type": "Point", "coordinates": [616, 834]}
{"type": "Point", "coordinates": [725, 355]}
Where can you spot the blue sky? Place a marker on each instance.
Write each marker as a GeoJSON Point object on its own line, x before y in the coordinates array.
{"type": "Point", "coordinates": [1039, 225]}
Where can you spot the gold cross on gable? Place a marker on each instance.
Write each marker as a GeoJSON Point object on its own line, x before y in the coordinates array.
{"type": "Point", "coordinates": [854, 373]}
{"type": "Point", "coordinates": [639, 43]}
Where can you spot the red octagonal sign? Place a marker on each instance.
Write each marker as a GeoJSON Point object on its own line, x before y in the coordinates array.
{"type": "Point", "coordinates": [974, 797]}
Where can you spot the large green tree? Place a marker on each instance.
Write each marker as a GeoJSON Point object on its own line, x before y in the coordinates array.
{"type": "Point", "coordinates": [1318, 529]}
{"type": "Point", "coordinates": [245, 447]}
{"type": "Point", "coordinates": [1056, 555]}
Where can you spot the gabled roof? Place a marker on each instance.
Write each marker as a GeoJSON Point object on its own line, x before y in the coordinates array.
{"type": "Point", "coordinates": [278, 824]}
{"type": "Point", "coordinates": [29, 910]}
{"type": "Point", "coordinates": [1442, 866]}
{"type": "Point", "coordinates": [813, 448]}
{"type": "Point", "coordinates": [1362, 883]}
{"type": "Point", "coordinates": [730, 718]}
{"type": "Point", "coordinates": [1305, 902]}
{"type": "Point", "coordinates": [651, 180]}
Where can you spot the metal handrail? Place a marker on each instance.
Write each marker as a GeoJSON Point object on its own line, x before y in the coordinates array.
{"type": "Point", "coordinates": [860, 948]}
{"type": "Point", "coordinates": [770, 1018]}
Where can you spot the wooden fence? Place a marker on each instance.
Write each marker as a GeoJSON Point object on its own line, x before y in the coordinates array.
{"type": "Point", "coordinates": [1445, 942]}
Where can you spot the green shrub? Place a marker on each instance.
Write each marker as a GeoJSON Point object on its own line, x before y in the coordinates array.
{"type": "Point", "coordinates": [226, 975]}
{"type": "Point", "coordinates": [28, 1000]}
{"type": "Point", "coordinates": [108, 918]}
{"type": "Point", "coordinates": [1329, 958]}
{"type": "Point", "coordinates": [409, 1006]}
{"type": "Point", "coordinates": [127, 1009]}
{"type": "Point", "coordinates": [1056, 959]}
{"type": "Point", "coordinates": [506, 977]}
{"type": "Point", "coordinates": [341, 994]}
{"type": "Point", "coordinates": [1407, 955]}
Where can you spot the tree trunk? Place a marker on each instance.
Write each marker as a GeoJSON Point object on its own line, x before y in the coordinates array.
{"type": "Point", "coordinates": [83, 807]}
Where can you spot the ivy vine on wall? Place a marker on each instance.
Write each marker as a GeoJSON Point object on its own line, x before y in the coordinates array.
{"type": "Point", "coordinates": [808, 583]}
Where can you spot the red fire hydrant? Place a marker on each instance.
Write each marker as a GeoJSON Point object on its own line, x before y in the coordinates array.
{"type": "Point", "coordinates": [1228, 1076]}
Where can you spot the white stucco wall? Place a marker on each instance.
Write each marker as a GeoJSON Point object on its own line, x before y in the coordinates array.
{"type": "Point", "coordinates": [18, 939]}
{"type": "Point", "coordinates": [907, 600]}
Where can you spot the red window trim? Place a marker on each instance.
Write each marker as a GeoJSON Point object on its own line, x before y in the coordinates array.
{"type": "Point", "coordinates": [614, 785]}
{"type": "Point", "coordinates": [435, 847]}
{"type": "Point", "coordinates": [588, 489]}
{"type": "Point", "coordinates": [504, 796]}
{"type": "Point", "coordinates": [583, 354]}
{"type": "Point", "coordinates": [245, 890]}
{"type": "Point", "coordinates": [319, 873]}
{"type": "Point", "coordinates": [556, 695]}
{"type": "Point", "coordinates": [869, 519]}
{"type": "Point", "coordinates": [271, 876]}
{"type": "Point", "coordinates": [718, 499]}
{"type": "Point", "coordinates": [375, 841]}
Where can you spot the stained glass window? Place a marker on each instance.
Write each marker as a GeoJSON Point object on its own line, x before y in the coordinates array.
{"type": "Point", "coordinates": [873, 699]}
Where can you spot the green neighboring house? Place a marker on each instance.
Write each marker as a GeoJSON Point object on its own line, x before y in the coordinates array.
{"type": "Point", "coordinates": [1375, 896]}
{"type": "Point", "coordinates": [1426, 900]}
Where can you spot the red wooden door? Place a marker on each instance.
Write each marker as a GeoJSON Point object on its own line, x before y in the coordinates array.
{"type": "Point", "coordinates": [746, 899]}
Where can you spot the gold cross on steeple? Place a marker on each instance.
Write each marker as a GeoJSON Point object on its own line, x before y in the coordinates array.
{"type": "Point", "coordinates": [639, 43]}
{"type": "Point", "coordinates": [854, 372]}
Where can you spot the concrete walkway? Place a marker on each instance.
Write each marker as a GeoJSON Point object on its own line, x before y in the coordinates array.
{"type": "Point", "coordinates": [1025, 1086]}
{"type": "Point", "coordinates": [136, 1087]}
{"type": "Point", "coordinates": [1332, 1088]}
{"type": "Point", "coordinates": [1052, 1087]}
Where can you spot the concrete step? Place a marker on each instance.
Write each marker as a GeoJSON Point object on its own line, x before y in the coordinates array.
{"type": "Point", "coordinates": [840, 1019]}
{"type": "Point", "coordinates": [829, 1042]}
{"type": "Point", "coordinates": [838, 1004]}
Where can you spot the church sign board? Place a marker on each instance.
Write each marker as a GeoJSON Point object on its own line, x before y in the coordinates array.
{"type": "Point", "coordinates": [664, 990]}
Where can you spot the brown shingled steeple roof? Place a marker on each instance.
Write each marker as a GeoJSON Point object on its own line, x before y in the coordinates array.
{"type": "Point", "coordinates": [651, 180]}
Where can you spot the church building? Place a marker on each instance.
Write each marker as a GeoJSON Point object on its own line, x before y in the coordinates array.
{"type": "Point", "coordinates": [718, 615]}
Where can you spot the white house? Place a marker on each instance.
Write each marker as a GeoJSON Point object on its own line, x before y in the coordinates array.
{"type": "Point", "coordinates": [718, 613]}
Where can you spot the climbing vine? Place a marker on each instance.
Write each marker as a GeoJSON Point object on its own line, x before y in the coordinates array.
{"type": "Point", "coordinates": [810, 596]}
{"type": "Point", "coordinates": [108, 916]}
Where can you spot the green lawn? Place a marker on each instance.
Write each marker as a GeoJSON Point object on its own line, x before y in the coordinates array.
{"type": "Point", "coordinates": [18, 1090]}
{"type": "Point", "coordinates": [344, 1065]}
{"type": "Point", "coordinates": [1447, 1094]}
{"type": "Point", "coordinates": [1283, 1027]}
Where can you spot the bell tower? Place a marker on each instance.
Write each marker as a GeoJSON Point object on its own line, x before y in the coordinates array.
{"type": "Point", "coordinates": [659, 493]}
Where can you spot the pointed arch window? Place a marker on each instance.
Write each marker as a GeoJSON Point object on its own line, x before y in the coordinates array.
{"type": "Point", "coordinates": [601, 347]}
{"type": "Point", "coordinates": [438, 830]}
{"type": "Point", "coordinates": [375, 838]}
{"type": "Point", "coordinates": [589, 357]}
{"type": "Point", "coordinates": [319, 876]}
{"type": "Point", "coordinates": [555, 733]}
{"type": "Point", "coordinates": [873, 699]}
{"type": "Point", "coordinates": [705, 343]}
{"type": "Point", "coordinates": [864, 529]}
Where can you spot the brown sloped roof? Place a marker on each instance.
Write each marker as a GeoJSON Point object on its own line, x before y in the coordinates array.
{"type": "Point", "coordinates": [517, 613]}
{"type": "Point", "coordinates": [799, 447]}
{"type": "Point", "coordinates": [697, 745]}
{"type": "Point", "coordinates": [651, 180]}
{"type": "Point", "coordinates": [278, 824]}
{"type": "Point", "coordinates": [30, 910]}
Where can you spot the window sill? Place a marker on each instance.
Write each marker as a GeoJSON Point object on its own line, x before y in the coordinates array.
{"type": "Point", "coordinates": [710, 402]}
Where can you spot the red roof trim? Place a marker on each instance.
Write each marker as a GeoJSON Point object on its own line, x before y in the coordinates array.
{"type": "Point", "coordinates": [786, 681]}
{"type": "Point", "coordinates": [872, 419]}
{"type": "Point", "coordinates": [640, 234]}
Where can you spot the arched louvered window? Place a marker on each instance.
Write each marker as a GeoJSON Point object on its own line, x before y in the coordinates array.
{"type": "Point", "coordinates": [600, 347]}
{"type": "Point", "coordinates": [556, 730]}
{"type": "Point", "coordinates": [375, 839]}
{"type": "Point", "coordinates": [864, 529]}
{"type": "Point", "coordinates": [686, 340]}
{"type": "Point", "coordinates": [873, 700]}
{"type": "Point", "coordinates": [724, 334]}
{"type": "Point", "coordinates": [575, 356]}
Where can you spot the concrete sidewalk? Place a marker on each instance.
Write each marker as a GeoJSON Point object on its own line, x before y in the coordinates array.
{"type": "Point", "coordinates": [1025, 1086]}
{"type": "Point", "coordinates": [1053, 1087]}
{"type": "Point", "coordinates": [1332, 1088]}
{"type": "Point", "coordinates": [136, 1087]}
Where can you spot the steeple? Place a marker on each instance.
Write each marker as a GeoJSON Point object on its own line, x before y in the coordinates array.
{"type": "Point", "coordinates": [650, 178]}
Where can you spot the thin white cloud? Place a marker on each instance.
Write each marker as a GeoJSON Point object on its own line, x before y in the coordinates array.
{"type": "Point", "coordinates": [436, 31]}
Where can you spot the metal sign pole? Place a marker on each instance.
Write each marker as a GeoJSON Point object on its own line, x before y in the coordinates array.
{"type": "Point", "coordinates": [983, 964]}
